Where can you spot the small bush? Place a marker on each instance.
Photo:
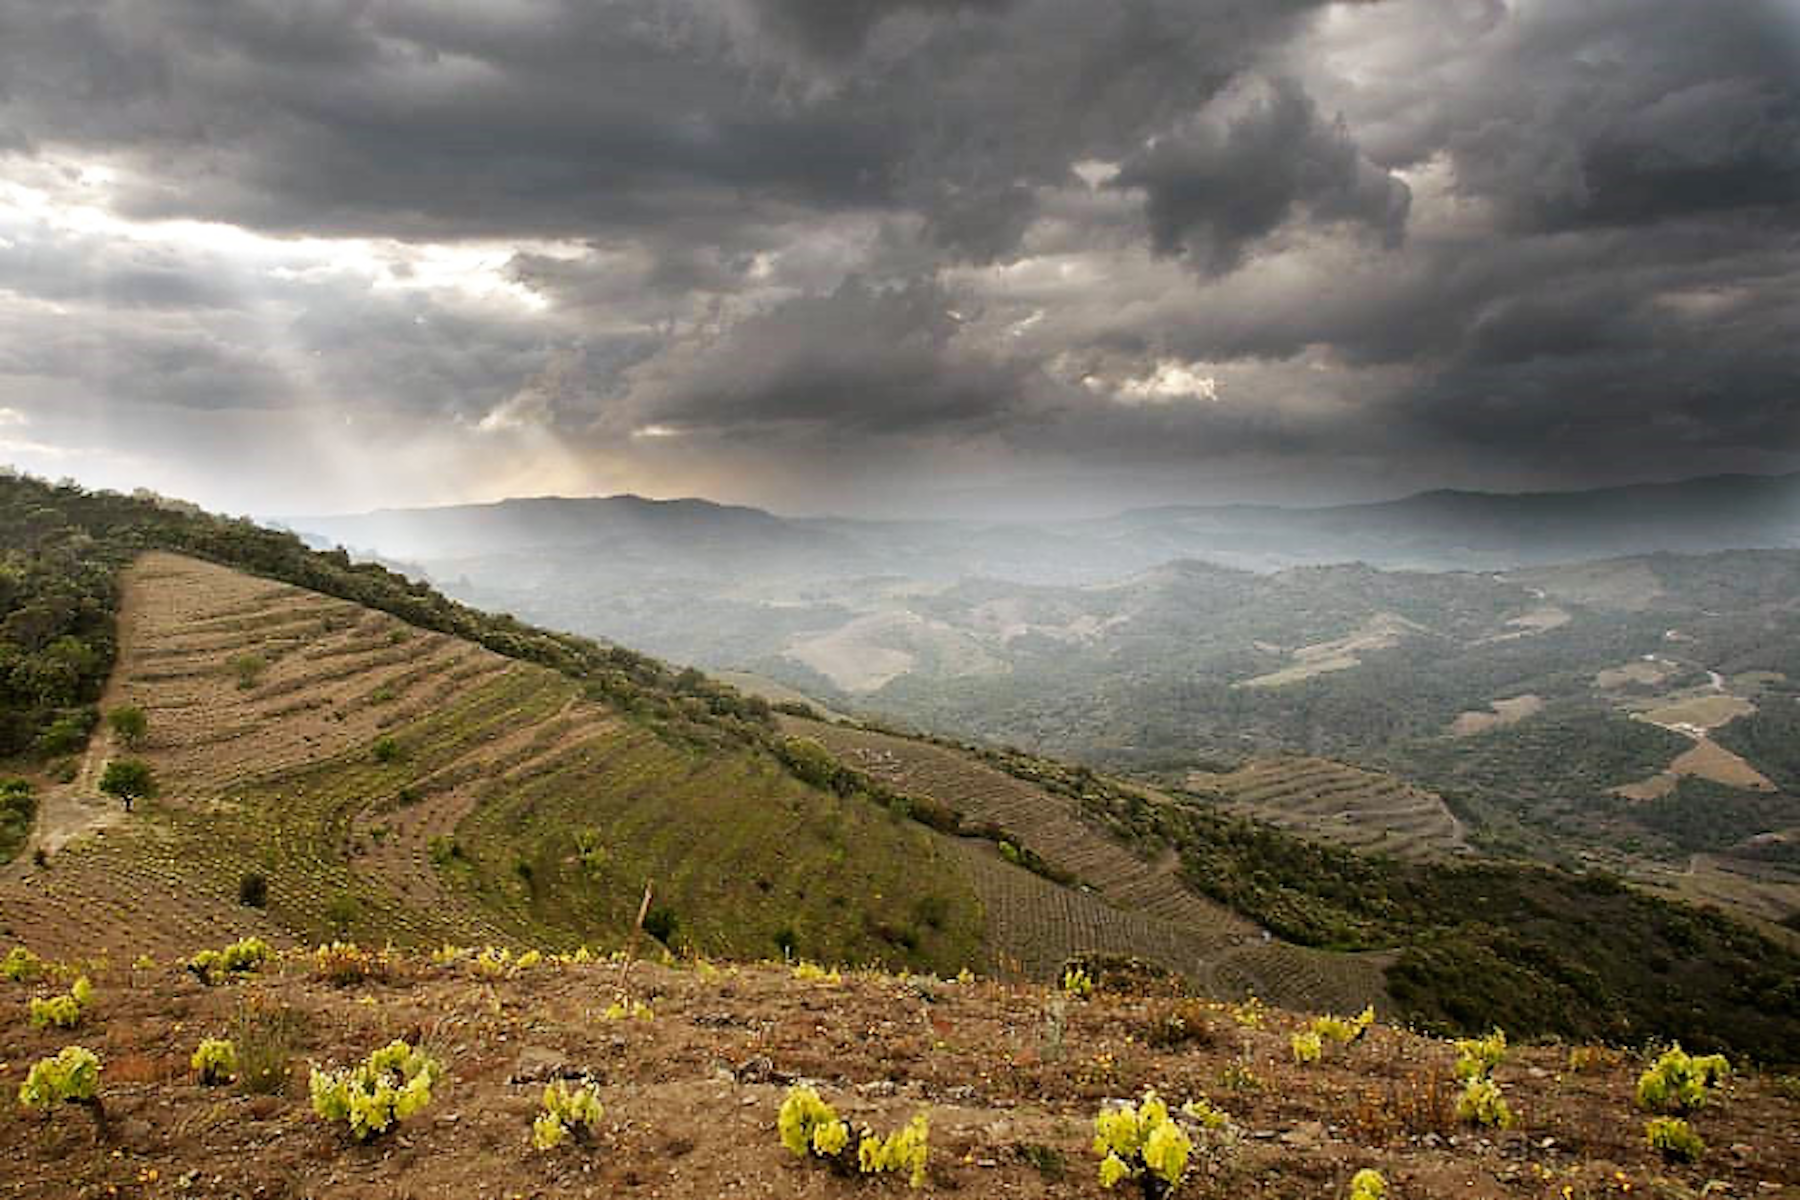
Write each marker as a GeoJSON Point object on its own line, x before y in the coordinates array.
{"type": "Point", "coordinates": [662, 924]}
{"type": "Point", "coordinates": [72, 1077]}
{"type": "Point", "coordinates": [1341, 1030]}
{"type": "Point", "coordinates": [21, 965]}
{"type": "Point", "coordinates": [374, 1096]}
{"type": "Point", "coordinates": [1077, 982]}
{"type": "Point", "coordinates": [808, 972]}
{"type": "Point", "coordinates": [386, 750]}
{"type": "Point", "coordinates": [129, 725]}
{"type": "Point", "coordinates": [1367, 1184]}
{"type": "Point", "coordinates": [1307, 1047]}
{"type": "Point", "coordinates": [1141, 1142]}
{"type": "Point", "coordinates": [341, 912]}
{"type": "Point", "coordinates": [622, 1009]}
{"type": "Point", "coordinates": [1674, 1139]}
{"type": "Point", "coordinates": [808, 1125]}
{"type": "Point", "coordinates": [811, 1127]}
{"type": "Point", "coordinates": [1476, 1058]}
{"type": "Point", "coordinates": [128, 780]}
{"type": "Point", "coordinates": [1679, 1082]}
{"type": "Point", "coordinates": [249, 670]}
{"type": "Point", "coordinates": [215, 1062]}
{"type": "Point", "coordinates": [342, 964]}
{"type": "Point", "coordinates": [1482, 1104]}
{"type": "Point", "coordinates": [240, 958]}
{"type": "Point", "coordinates": [253, 890]}
{"type": "Point", "coordinates": [62, 1012]}
{"type": "Point", "coordinates": [18, 811]}
{"type": "Point", "coordinates": [567, 1115]}
{"type": "Point", "coordinates": [1179, 1023]}
{"type": "Point", "coordinates": [905, 1151]}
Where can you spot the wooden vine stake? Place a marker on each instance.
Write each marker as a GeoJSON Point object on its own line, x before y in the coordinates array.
{"type": "Point", "coordinates": [637, 931]}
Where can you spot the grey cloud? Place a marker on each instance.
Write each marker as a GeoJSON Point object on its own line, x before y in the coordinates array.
{"type": "Point", "coordinates": [1416, 233]}
{"type": "Point", "coordinates": [840, 27]}
{"type": "Point", "coordinates": [1234, 172]}
{"type": "Point", "coordinates": [861, 361]}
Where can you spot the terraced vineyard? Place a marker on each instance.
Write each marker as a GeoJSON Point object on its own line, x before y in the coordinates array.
{"type": "Point", "coordinates": [1335, 802]}
{"type": "Point", "coordinates": [1125, 904]}
{"type": "Point", "coordinates": [391, 783]}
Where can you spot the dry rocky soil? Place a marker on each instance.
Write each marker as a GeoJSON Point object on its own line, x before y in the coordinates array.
{"type": "Point", "coordinates": [1010, 1075]}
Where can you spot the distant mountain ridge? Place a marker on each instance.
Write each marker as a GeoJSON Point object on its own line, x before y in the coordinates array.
{"type": "Point", "coordinates": [1436, 530]}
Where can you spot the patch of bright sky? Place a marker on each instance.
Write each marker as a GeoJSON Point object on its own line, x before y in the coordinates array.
{"type": "Point", "coordinates": [1172, 380]}
{"type": "Point", "coordinates": [477, 269]}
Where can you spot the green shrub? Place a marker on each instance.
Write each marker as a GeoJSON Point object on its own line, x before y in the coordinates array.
{"type": "Point", "coordinates": [128, 780]}
{"type": "Point", "coordinates": [72, 1077]}
{"type": "Point", "coordinates": [808, 1125]}
{"type": "Point", "coordinates": [1367, 1184]}
{"type": "Point", "coordinates": [811, 1127]}
{"type": "Point", "coordinates": [1674, 1139]}
{"type": "Point", "coordinates": [215, 1062]}
{"type": "Point", "coordinates": [1077, 982]}
{"type": "Point", "coordinates": [1482, 1104]}
{"type": "Point", "coordinates": [249, 670]}
{"type": "Point", "coordinates": [374, 1096]}
{"type": "Point", "coordinates": [1141, 1142]}
{"type": "Point", "coordinates": [1476, 1058]}
{"type": "Point", "coordinates": [1343, 1030]}
{"type": "Point", "coordinates": [905, 1151]}
{"type": "Point", "coordinates": [18, 810]}
{"type": "Point", "coordinates": [1307, 1046]}
{"type": "Point", "coordinates": [253, 890]}
{"type": "Point", "coordinates": [567, 1114]}
{"type": "Point", "coordinates": [662, 923]}
{"type": "Point", "coordinates": [21, 965]}
{"type": "Point", "coordinates": [1678, 1082]}
{"type": "Point", "coordinates": [386, 750]}
{"type": "Point", "coordinates": [129, 725]}
{"type": "Point", "coordinates": [62, 1012]}
{"type": "Point", "coordinates": [239, 958]}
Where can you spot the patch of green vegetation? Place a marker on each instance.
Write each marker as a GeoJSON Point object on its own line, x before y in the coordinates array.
{"type": "Point", "coordinates": [742, 857]}
{"type": "Point", "coordinates": [18, 809]}
{"type": "Point", "coordinates": [1700, 815]}
{"type": "Point", "coordinates": [1536, 950]}
{"type": "Point", "coordinates": [1559, 760]}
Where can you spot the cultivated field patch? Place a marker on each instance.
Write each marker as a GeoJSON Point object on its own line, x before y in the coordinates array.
{"type": "Point", "coordinates": [1335, 802]}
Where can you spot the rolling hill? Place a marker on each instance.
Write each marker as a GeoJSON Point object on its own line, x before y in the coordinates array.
{"type": "Point", "coordinates": [392, 766]}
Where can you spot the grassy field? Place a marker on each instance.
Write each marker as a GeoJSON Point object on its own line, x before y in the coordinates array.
{"type": "Point", "coordinates": [394, 784]}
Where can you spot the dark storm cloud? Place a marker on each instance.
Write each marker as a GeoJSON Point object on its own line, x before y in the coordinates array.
{"type": "Point", "coordinates": [573, 119]}
{"type": "Point", "coordinates": [1164, 232]}
{"type": "Point", "coordinates": [861, 362]}
{"type": "Point", "coordinates": [839, 27]}
{"type": "Point", "coordinates": [1237, 170]}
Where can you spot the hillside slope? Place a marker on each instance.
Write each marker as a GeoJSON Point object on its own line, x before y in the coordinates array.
{"type": "Point", "coordinates": [1137, 904]}
{"type": "Point", "coordinates": [393, 783]}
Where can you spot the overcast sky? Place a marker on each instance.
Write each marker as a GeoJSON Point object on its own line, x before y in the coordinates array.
{"type": "Point", "coordinates": [896, 256]}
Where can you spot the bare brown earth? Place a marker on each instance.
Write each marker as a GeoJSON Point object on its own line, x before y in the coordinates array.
{"type": "Point", "coordinates": [1129, 905]}
{"type": "Point", "coordinates": [1009, 1076]}
{"type": "Point", "coordinates": [1509, 711]}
